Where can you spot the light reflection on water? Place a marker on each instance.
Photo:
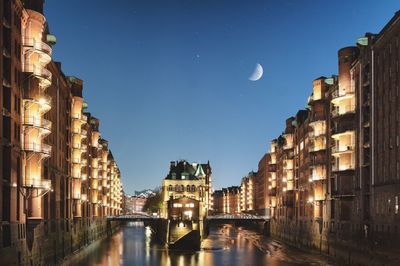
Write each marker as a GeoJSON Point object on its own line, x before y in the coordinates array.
{"type": "Point", "coordinates": [225, 245]}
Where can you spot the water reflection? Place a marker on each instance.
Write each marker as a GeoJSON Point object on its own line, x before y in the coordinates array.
{"type": "Point", "coordinates": [226, 245]}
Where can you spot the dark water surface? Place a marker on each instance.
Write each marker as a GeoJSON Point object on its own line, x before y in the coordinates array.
{"type": "Point", "coordinates": [225, 245]}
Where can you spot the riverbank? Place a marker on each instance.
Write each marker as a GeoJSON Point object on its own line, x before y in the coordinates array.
{"type": "Point", "coordinates": [51, 242]}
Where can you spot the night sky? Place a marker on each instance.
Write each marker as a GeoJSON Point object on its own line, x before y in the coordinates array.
{"type": "Point", "coordinates": [169, 79]}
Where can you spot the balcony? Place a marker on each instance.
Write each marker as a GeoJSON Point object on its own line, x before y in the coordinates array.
{"type": "Point", "coordinates": [316, 133]}
{"type": "Point", "coordinates": [314, 147]}
{"type": "Point", "coordinates": [76, 196]}
{"type": "Point", "coordinates": [37, 183]}
{"type": "Point", "coordinates": [76, 160]}
{"type": "Point", "coordinates": [337, 150]}
{"type": "Point", "coordinates": [38, 46]}
{"type": "Point", "coordinates": [84, 148]}
{"type": "Point", "coordinates": [338, 167]}
{"type": "Point", "coordinates": [37, 122]}
{"type": "Point", "coordinates": [42, 148]}
{"type": "Point", "coordinates": [288, 164]}
{"type": "Point", "coordinates": [76, 130]}
{"type": "Point", "coordinates": [339, 95]}
{"type": "Point", "coordinates": [79, 116]}
{"type": "Point", "coordinates": [40, 72]}
{"type": "Point", "coordinates": [317, 177]}
{"type": "Point", "coordinates": [343, 110]}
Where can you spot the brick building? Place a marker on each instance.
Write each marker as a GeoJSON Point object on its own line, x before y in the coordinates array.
{"type": "Point", "coordinates": [334, 173]}
{"type": "Point", "coordinates": [50, 187]}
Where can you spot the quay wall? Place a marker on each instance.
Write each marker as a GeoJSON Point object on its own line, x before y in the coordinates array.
{"type": "Point", "coordinates": [49, 242]}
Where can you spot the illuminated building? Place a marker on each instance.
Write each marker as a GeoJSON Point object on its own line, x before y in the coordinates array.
{"type": "Point", "coordinates": [46, 196]}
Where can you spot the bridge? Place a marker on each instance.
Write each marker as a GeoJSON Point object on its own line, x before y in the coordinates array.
{"type": "Point", "coordinates": [220, 218]}
{"type": "Point", "coordinates": [237, 217]}
{"type": "Point", "coordinates": [139, 217]}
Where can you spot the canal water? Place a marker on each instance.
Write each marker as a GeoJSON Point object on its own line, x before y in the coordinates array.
{"type": "Point", "coordinates": [225, 245]}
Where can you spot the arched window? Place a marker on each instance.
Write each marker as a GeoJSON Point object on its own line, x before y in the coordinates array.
{"type": "Point", "coordinates": [188, 188]}
{"type": "Point", "coordinates": [170, 188]}
{"type": "Point", "coordinates": [182, 188]}
{"type": "Point", "coordinates": [176, 187]}
{"type": "Point", "coordinates": [193, 188]}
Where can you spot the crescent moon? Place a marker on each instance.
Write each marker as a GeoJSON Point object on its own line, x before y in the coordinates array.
{"type": "Point", "coordinates": [257, 73]}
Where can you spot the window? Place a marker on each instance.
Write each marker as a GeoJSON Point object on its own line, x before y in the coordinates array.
{"type": "Point", "coordinates": [176, 187]}
{"type": "Point", "coordinates": [177, 205]}
{"type": "Point", "coordinates": [188, 188]}
{"type": "Point", "coordinates": [170, 188]}
{"type": "Point", "coordinates": [193, 188]}
{"type": "Point", "coordinates": [182, 188]}
{"type": "Point", "coordinates": [396, 204]}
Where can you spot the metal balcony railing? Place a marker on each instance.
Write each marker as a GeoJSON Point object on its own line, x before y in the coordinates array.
{"type": "Point", "coordinates": [37, 183]}
{"type": "Point", "coordinates": [76, 196]}
{"type": "Point", "coordinates": [338, 111]}
{"type": "Point", "coordinates": [39, 71]}
{"type": "Point", "coordinates": [342, 149]}
{"type": "Point", "coordinates": [341, 93]}
{"type": "Point", "coordinates": [37, 122]}
{"type": "Point", "coordinates": [38, 45]}
{"type": "Point", "coordinates": [342, 167]}
{"type": "Point", "coordinates": [316, 133]}
{"type": "Point", "coordinates": [316, 147]}
{"type": "Point", "coordinates": [37, 147]}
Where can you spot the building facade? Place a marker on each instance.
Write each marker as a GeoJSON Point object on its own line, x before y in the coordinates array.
{"type": "Point", "coordinates": [50, 187]}
{"type": "Point", "coordinates": [186, 180]}
{"type": "Point", "coordinates": [333, 175]}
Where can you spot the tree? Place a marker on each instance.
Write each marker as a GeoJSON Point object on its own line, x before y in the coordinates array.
{"type": "Point", "coordinates": [153, 203]}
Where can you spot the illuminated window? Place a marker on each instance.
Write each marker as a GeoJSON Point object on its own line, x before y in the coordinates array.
{"type": "Point", "coordinates": [396, 204]}
{"type": "Point", "coordinates": [177, 205]}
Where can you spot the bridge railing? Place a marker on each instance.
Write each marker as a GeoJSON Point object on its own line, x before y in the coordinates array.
{"type": "Point", "coordinates": [242, 216]}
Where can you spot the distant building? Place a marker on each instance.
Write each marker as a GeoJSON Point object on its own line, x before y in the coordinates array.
{"type": "Point", "coordinates": [134, 204]}
{"type": "Point", "coordinates": [248, 195]}
{"type": "Point", "coordinates": [218, 202]}
{"type": "Point", "coordinates": [231, 200]}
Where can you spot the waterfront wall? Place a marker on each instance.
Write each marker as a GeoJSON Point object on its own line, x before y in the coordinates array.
{"type": "Point", "coordinates": [351, 248]}
{"type": "Point", "coordinates": [52, 241]}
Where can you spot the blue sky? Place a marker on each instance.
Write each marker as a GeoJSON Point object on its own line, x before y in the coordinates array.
{"type": "Point", "coordinates": [169, 79]}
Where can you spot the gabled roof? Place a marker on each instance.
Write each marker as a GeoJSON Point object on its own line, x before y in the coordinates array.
{"type": "Point", "coordinates": [199, 171]}
{"type": "Point", "coordinates": [180, 170]}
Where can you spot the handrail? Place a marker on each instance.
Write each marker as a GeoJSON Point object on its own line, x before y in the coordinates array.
{"type": "Point", "coordinates": [37, 122]}
{"type": "Point", "coordinates": [37, 70]}
{"type": "Point", "coordinates": [38, 45]}
{"type": "Point", "coordinates": [37, 147]}
{"type": "Point", "coordinates": [341, 93]}
{"type": "Point", "coordinates": [37, 183]}
{"type": "Point", "coordinates": [339, 149]}
{"type": "Point", "coordinates": [343, 110]}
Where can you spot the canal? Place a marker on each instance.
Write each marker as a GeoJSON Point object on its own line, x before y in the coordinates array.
{"type": "Point", "coordinates": [225, 245]}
